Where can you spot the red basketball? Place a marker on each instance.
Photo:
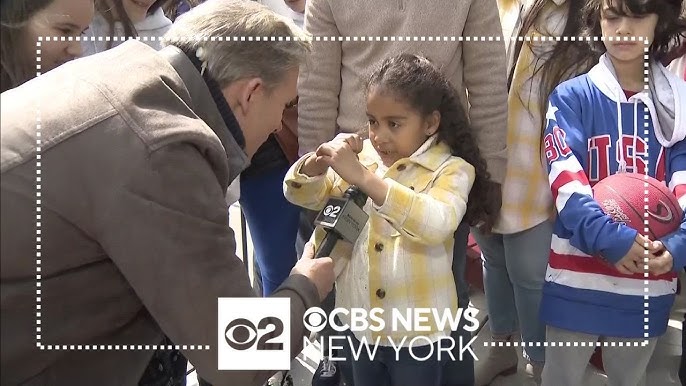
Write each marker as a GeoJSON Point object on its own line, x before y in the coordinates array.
{"type": "Point", "coordinates": [622, 196]}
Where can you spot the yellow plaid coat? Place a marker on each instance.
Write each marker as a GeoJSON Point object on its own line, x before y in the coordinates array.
{"type": "Point", "coordinates": [403, 257]}
{"type": "Point", "coordinates": [527, 200]}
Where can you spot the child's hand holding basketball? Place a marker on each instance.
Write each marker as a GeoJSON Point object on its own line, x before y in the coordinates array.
{"type": "Point", "coordinates": [660, 260]}
{"type": "Point", "coordinates": [633, 261]}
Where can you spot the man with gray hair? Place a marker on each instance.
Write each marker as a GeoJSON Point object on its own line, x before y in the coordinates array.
{"type": "Point", "coordinates": [114, 169]}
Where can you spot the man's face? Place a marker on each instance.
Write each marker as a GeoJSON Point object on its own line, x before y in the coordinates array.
{"type": "Point", "coordinates": [263, 111]}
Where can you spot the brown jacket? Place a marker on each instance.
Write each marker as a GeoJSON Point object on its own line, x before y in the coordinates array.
{"type": "Point", "coordinates": [135, 161]}
{"type": "Point", "coordinates": [331, 86]}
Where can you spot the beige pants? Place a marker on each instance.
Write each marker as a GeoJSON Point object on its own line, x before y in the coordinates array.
{"type": "Point", "coordinates": [566, 366]}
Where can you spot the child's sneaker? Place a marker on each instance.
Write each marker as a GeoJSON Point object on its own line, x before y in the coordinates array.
{"type": "Point", "coordinates": [327, 374]}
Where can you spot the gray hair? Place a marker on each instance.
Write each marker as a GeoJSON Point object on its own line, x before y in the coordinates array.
{"type": "Point", "coordinates": [222, 29]}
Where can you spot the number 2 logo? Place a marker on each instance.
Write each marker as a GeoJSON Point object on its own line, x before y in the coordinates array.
{"type": "Point", "coordinates": [332, 211]}
{"type": "Point", "coordinates": [241, 334]}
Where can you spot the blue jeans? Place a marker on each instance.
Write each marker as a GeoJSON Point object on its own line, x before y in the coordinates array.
{"type": "Point", "coordinates": [385, 370]}
{"type": "Point", "coordinates": [514, 273]}
{"type": "Point", "coordinates": [273, 223]}
{"type": "Point", "coordinates": [460, 372]}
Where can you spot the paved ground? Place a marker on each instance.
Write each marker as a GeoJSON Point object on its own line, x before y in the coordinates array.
{"type": "Point", "coordinates": [662, 370]}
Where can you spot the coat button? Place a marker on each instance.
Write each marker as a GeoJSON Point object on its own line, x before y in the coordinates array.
{"type": "Point", "coordinates": [296, 185]}
{"type": "Point", "coordinates": [378, 247]}
{"type": "Point", "coordinates": [380, 293]}
{"type": "Point", "coordinates": [401, 167]}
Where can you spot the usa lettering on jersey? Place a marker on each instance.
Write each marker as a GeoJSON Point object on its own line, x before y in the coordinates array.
{"type": "Point", "coordinates": [599, 151]}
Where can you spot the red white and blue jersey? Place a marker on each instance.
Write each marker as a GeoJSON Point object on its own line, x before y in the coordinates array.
{"type": "Point", "coordinates": [593, 131]}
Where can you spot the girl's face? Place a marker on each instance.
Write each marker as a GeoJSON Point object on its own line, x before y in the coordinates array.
{"type": "Point", "coordinates": [296, 5]}
{"type": "Point", "coordinates": [62, 18]}
{"type": "Point", "coordinates": [137, 10]}
{"type": "Point", "coordinates": [618, 25]}
{"type": "Point", "coordinates": [396, 130]}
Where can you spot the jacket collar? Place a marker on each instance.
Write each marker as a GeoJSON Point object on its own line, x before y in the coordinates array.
{"type": "Point", "coordinates": [431, 155]}
{"type": "Point", "coordinates": [204, 105]}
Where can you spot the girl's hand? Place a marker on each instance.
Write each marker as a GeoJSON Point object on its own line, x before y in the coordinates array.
{"type": "Point", "coordinates": [341, 155]}
{"type": "Point", "coordinates": [660, 260]}
{"type": "Point", "coordinates": [312, 168]}
{"type": "Point", "coordinates": [633, 261]}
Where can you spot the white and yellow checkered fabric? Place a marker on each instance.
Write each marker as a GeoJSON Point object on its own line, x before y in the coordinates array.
{"type": "Point", "coordinates": [527, 200]}
{"type": "Point", "coordinates": [403, 258]}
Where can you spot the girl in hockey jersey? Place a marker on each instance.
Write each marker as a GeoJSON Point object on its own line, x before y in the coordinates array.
{"type": "Point", "coordinates": [596, 126]}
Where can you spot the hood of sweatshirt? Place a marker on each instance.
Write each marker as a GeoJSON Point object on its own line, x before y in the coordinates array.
{"type": "Point", "coordinates": [155, 21]}
{"type": "Point", "coordinates": [665, 99]}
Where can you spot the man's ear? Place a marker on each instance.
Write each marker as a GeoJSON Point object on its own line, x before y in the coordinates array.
{"type": "Point", "coordinates": [432, 123]}
{"type": "Point", "coordinates": [248, 92]}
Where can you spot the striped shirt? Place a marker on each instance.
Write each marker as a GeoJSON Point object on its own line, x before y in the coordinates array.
{"type": "Point", "coordinates": [403, 257]}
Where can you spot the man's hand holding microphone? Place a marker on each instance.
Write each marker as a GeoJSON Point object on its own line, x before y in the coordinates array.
{"type": "Point", "coordinates": [319, 271]}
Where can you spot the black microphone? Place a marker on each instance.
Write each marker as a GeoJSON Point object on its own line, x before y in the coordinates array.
{"type": "Point", "coordinates": [342, 218]}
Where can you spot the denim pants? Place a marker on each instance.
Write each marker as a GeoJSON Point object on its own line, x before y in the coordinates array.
{"type": "Point", "coordinates": [460, 372]}
{"type": "Point", "coordinates": [514, 273]}
{"type": "Point", "coordinates": [421, 367]}
{"type": "Point", "coordinates": [273, 223]}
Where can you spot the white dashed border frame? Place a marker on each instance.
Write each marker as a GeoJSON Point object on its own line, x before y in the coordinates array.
{"type": "Point", "coordinates": [39, 256]}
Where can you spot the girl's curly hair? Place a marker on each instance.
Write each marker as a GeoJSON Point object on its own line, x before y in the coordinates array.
{"type": "Point", "coordinates": [416, 81]}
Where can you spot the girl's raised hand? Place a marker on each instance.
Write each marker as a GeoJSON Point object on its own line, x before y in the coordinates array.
{"type": "Point", "coordinates": [341, 155]}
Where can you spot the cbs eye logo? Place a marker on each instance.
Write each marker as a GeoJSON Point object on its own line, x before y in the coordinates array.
{"type": "Point", "coordinates": [242, 334]}
{"type": "Point", "coordinates": [315, 319]}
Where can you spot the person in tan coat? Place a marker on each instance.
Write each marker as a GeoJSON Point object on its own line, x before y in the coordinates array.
{"type": "Point", "coordinates": [136, 150]}
{"type": "Point", "coordinates": [331, 85]}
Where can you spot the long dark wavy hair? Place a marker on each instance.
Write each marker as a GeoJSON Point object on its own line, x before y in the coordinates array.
{"type": "Point", "coordinates": [563, 60]}
{"type": "Point", "coordinates": [417, 82]}
{"type": "Point", "coordinates": [670, 31]}
{"type": "Point", "coordinates": [17, 52]}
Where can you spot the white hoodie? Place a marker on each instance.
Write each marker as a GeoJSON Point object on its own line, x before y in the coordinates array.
{"type": "Point", "coordinates": [666, 99]}
{"type": "Point", "coordinates": [153, 26]}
